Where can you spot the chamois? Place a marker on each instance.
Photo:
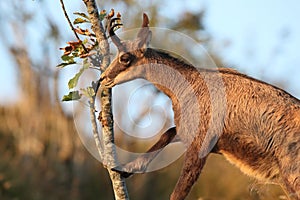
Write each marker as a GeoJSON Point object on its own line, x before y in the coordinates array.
{"type": "Point", "coordinates": [255, 125]}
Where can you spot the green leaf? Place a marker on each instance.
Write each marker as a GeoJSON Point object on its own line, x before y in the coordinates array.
{"type": "Point", "coordinates": [91, 91]}
{"type": "Point", "coordinates": [85, 41]}
{"type": "Point", "coordinates": [102, 16]}
{"type": "Point", "coordinates": [73, 95]}
{"type": "Point", "coordinates": [61, 65]}
{"type": "Point", "coordinates": [81, 15]}
{"type": "Point", "coordinates": [85, 63]}
{"type": "Point", "coordinates": [88, 92]}
{"type": "Point", "coordinates": [80, 21]}
{"type": "Point", "coordinates": [67, 58]}
{"type": "Point", "coordinates": [75, 53]}
{"type": "Point", "coordinates": [73, 81]}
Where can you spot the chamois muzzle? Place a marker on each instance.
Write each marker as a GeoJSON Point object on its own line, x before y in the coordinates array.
{"type": "Point", "coordinates": [106, 81]}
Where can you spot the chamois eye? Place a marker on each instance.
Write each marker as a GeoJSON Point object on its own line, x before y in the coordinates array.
{"type": "Point", "coordinates": [125, 58]}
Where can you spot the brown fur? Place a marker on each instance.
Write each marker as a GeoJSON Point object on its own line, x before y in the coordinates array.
{"type": "Point", "coordinates": [255, 125]}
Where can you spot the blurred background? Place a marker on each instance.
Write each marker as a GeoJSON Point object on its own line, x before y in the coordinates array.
{"type": "Point", "coordinates": [42, 155]}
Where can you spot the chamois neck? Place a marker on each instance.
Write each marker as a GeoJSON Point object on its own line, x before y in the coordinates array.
{"type": "Point", "coordinates": [170, 75]}
{"type": "Point", "coordinates": [157, 56]}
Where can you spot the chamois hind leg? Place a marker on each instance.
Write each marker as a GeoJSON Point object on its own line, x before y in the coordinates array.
{"type": "Point", "coordinates": [140, 164]}
{"type": "Point", "coordinates": [191, 170]}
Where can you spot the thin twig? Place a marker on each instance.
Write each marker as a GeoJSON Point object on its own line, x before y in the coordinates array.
{"type": "Point", "coordinates": [96, 68]}
{"type": "Point", "coordinates": [71, 25]}
{"type": "Point", "coordinates": [95, 128]}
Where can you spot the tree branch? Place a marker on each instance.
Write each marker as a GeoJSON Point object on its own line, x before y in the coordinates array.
{"type": "Point", "coordinates": [110, 158]}
{"type": "Point", "coordinates": [70, 24]}
{"type": "Point", "coordinates": [93, 118]}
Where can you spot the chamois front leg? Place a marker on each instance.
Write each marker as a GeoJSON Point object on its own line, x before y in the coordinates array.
{"type": "Point", "coordinates": [191, 170]}
{"type": "Point", "coordinates": [140, 164]}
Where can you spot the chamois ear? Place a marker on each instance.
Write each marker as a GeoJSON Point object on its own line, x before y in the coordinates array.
{"type": "Point", "coordinates": [143, 45]}
{"type": "Point", "coordinates": [144, 35]}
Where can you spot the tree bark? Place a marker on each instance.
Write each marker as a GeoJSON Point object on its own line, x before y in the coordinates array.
{"type": "Point", "coordinates": [109, 156]}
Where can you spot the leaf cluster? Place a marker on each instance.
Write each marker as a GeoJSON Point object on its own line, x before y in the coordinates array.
{"type": "Point", "coordinates": [82, 50]}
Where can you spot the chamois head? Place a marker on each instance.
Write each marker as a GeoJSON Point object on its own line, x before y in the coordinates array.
{"type": "Point", "coordinates": [130, 55]}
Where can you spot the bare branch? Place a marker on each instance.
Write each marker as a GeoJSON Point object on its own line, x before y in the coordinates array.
{"type": "Point", "coordinates": [70, 24]}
